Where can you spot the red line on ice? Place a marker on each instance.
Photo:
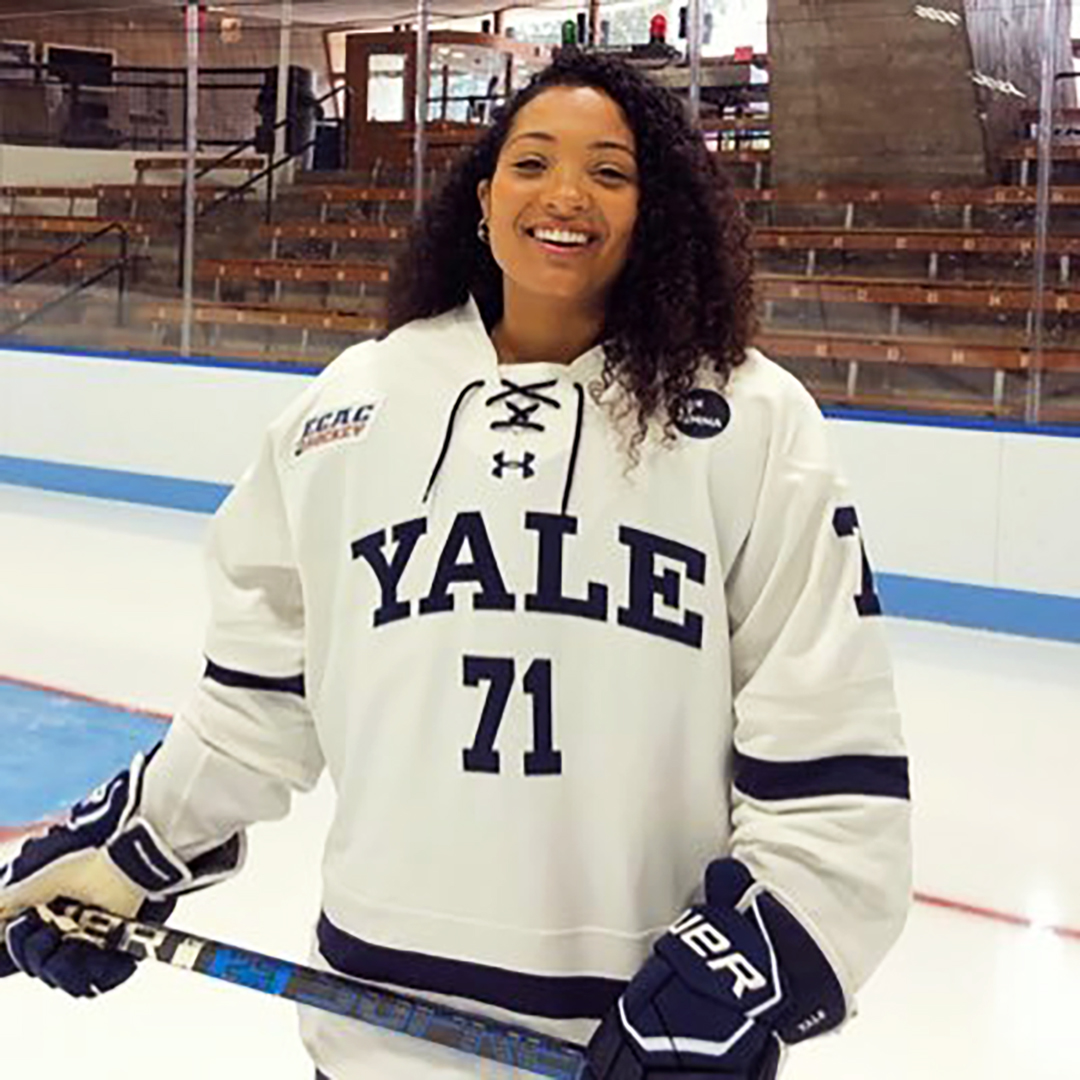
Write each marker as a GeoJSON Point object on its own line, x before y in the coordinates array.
{"type": "Point", "coordinates": [979, 912]}
{"type": "Point", "coordinates": [134, 710]}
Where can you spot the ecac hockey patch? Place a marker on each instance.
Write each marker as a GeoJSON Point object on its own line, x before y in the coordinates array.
{"type": "Point", "coordinates": [701, 414]}
{"type": "Point", "coordinates": [329, 427]}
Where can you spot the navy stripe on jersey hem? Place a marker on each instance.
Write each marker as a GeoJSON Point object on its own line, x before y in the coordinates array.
{"type": "Point", "coordinates": [245, 680]}
{"type": "Point", "coordinates": [557, 997]}
{"type": "Point", "coordinates": [846, 774]}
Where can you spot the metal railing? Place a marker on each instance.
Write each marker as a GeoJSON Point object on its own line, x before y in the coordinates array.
{"type": "Point", "coordinates": [117, 266]}
{"type": "Point", "coordinates": [266, 173]}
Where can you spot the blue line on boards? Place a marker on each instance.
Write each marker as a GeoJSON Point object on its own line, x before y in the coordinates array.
{"type": "Point", "coordinates": [278, 367]}
{"type": "Point", "coordinates": [966, 423]}
{"type": "Point", "coordinates": [1009, 611]}
{"type": "Point", "coordinates": [172, 493]}
{"type": "Point", "coordinates": [981, 607]}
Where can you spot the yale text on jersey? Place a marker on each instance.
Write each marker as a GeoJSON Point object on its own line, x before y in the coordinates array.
{"type": "Point", "coordinates": [657, 575]}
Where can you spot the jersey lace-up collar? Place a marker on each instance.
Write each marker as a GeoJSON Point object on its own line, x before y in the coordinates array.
{"type": "Point", "coordinates": [521, 415]}
{"type": "Point", "coordinates": [523, 402]}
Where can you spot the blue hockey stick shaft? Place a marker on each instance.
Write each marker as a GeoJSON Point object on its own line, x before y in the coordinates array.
{"type": "Point", "coordinates": [469, 1033]}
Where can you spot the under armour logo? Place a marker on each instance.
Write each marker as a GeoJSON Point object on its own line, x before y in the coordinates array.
{"type": "Point", "coordinates": [525, 465]}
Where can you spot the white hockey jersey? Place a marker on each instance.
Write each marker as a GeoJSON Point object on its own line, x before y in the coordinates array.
{"type": "Point", "coordinates": [549, 686]}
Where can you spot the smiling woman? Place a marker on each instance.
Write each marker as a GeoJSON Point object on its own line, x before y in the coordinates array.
{"type": "Point", "coordinates": [569, 675]}
{"type": "Point", "coordinates": [650, 253]}
{"type": "Point", "coordinates": [560, 213]}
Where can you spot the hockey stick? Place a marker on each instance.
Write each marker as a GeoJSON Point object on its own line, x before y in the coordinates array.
{"type": "Point", "coordinates": [463, 1031]}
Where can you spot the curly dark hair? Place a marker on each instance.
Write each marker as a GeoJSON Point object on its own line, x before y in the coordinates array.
{"type": "Point", "coordinates": [683, 301]}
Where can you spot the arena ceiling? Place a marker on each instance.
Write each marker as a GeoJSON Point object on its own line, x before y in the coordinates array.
{"type": "Point", "coordinates": [322, 12]}
{"type": "Point", "coordinates": [385, 11]}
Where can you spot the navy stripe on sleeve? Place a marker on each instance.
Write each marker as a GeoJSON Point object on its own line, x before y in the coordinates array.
{"type": "Point", "coordinates": [845, 774]}
{"type": "Point", "coordinates": [558, 997]}
{"type": "Point", "coordinates": [245, 680]}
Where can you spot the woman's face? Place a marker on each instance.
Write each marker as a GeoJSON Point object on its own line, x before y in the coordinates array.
{"type": "Point", "coordinates": [562, 204]}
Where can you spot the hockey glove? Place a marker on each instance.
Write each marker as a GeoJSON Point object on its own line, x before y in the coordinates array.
{"type": "Point", "coordinates": [106, 855]}
{"type": "Point", "coordinates": [731, 982]}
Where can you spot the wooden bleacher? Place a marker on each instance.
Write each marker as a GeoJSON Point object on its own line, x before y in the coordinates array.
{"type": "Point", "coordinates": [791, 237]}
{"type": "Point", "coordinates": [178, 164]}
{"type": "Point", "coordinates": [852, 352]}
{"type": "Point", "coordinates": [14, 197]}
{"type": "Point", "coordinates": [304, 230]}
{"type": "Point", "coordinates": [922, 241]}
{"type": "Point", "coordinates": [313, 324]}
{"type": "Point", "coordinates": [348, 193]}
{"type": "Point", "coordinates": [13, 307]}
{"type": "Point", "coordinates": [976, 257]}
{"type": "Point", "coordinates": [281, 295]}
{"type": "Point", "coordinates": [1025, 154]}
{"type": "Point", "coordinates": [14, 260]}
{"type": "Point", "coordinates": [162, 193]}
{"type": "Point", "coordinates": [899, 349]}
{"type": "Point", "coordinates": [273, 315]}
{"type": "Point", "coordinates": [736, 124]}
{"type": "Point", "coordinates": [75, 226]}
{"type": "Point", "coordinates": [845, 206]}
{"type": "Point", "coordinates": [304, 271]}
{"type": "Point", "coordinates": [331, 235]}
{"type": "Point", "coordinates": [993, 296]}
{"type": "Point", "coordinates": [47, 191]}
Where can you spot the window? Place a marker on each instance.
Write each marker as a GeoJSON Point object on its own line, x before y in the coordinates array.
{"type": "Point", "coordinates": [386, 88]}
{"type": "Point", "coordinates": [85, 67]}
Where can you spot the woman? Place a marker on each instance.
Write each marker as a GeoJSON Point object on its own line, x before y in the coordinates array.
{"type": "Point", "coordinates": [558, 582]}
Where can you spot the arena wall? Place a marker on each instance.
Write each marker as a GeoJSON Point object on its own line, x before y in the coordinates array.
{"type": "Point", "coordinates": [969, 522]}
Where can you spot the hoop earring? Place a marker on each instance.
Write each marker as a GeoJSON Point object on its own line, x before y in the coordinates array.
{"type": "Point", "coordinates": [484, 232]}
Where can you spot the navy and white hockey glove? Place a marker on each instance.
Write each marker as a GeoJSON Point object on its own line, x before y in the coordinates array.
{"type": "Point", "coordinates": [106, 855]}
{"type": "Point", "coordinates": [726, 988]}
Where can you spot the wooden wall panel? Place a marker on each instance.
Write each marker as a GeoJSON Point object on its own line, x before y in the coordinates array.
{"type": "Point", "coordinates": [881, 91]}
{"type": "Point", "coordinates": [864, 91]}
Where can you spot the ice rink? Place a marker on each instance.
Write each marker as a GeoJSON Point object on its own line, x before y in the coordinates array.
{"type": "Point", "coordinates": [107, 600]}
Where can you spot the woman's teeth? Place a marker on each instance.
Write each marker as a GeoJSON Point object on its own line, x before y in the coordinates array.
{"type": "Point", "coordinates": [561, 236]}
